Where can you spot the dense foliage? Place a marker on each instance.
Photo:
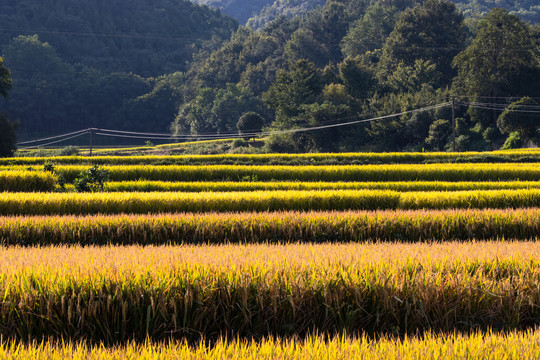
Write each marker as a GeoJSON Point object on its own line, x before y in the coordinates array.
{"type": "Point", "coordinates": [101, 63]}
{"type": "Point", "coordinates": [348, 60]}
{"type": "Point", "coordinates": [352, 60]}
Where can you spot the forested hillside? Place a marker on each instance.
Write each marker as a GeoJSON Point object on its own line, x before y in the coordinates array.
{"type": "Point", "coordinates": [78, 64]}
{"type": "Point", "coordinates": [144, 37]}
{"type": "Point", "coordinates": [346, 60]}
{"type": "Point", "coordinates": [352, 60]}
{"type": "Point", "coordinates": [257, 13]}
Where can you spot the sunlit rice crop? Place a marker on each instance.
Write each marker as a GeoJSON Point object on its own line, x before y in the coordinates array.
{"type": "Point", "coordinates": [478, 345]}
{"type": "Point", "coordinates": [159, 202]}
{"type": "Point", "coordinates": [116, 294]}
{"type": "Point", "coordinates": [26, 181]}
{"type": "Point", "coordinates": [198, 186]}
{"type": "Point", "coordinates": [409, 172]}
{"type": "Point", "coordinates": [284, 227]}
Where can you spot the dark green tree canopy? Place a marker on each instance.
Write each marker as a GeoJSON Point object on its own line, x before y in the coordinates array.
{"type": "Point", "coordinates": [145, 37]}
{"type": "Point", "coordinates": [432, 31]}
{"type": "Point", "coordinates": [501, 59]}
{"type": "Point", "coordinates": [369, 32]}
{"type": "Point", "coordinates": [302, 84]}
{"type": "Point", "coordinates": [5, 79]}
{"type": "Point", "coordinates": [250, 122]}
{"type": "Point", "coordinates": [8, 138]}
{"type": "Point", "coordinates": [523, 117]}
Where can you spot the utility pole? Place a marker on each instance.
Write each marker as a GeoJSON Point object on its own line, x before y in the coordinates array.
{"type": "Point", "coordinates": [453, 125]}
{"type": "Point", "coordinates": [90, 131]}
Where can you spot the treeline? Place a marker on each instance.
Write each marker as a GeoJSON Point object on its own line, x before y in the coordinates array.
{"type": "Point", "coordinates": [258, 13]}
{"type": "Point", "coordinates": [347, 60]}
{"type": "Point", "coordinates": [352, 60]}
{"type": "Point", "coordinates": [101, 63]}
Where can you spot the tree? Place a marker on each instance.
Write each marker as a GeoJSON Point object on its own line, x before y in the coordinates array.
{"type": "Point", "coordinates": [500, 58]}
{"type": "Point", "coordinates": [431, 31]}
{"type": "Point", "coordinates": [522, 117]}
{"type": "Point", "coordinates": [250, 122]}
{"type": "Point", "coordinates": [439, 132]}
{"type": "Point", "coordinates": [5, 79]}
{"type": "Point", "coordinates": [302, 84]}
{"type": "Point", "coordinates": [501, 61]}
{"type": "Point", "coordinates": [357, 77]}
{"type": "Point", "coordinates": [370, 31]}
{"type": "Point", "coordinates": [412, 78]}
{"type": "Point", "coordinates": [8, 139]}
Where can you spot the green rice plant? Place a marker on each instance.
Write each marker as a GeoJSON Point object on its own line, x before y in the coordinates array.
{"type": "Point", "coordinates": [21, 181]}
{"type": "Point", "coordinates": [360, 173]}
{"type": "Point", "coordinates": [402, 186]}
{"type": "Point", "coordinates": [114, 203]}
{"type": "Point", "coordinates": [277, 227]}
{"type": "Point", "coordinates": [118, 294]}
{"type": "Point", "coordinates": [159, 202]}
{"type": "Point", "coordinates": [529, 155]}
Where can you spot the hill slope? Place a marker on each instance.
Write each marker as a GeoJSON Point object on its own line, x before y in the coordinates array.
{"type": "Point", "coordinates": [147, 37]}
{"type": "Point", "coordinates": [258, 13]}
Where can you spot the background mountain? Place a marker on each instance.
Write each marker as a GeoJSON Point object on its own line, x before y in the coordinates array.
{"type": "Point", "coordinates": [77, 64]}
{"type": "Point", "coordinates": [156, 65]}
{"type": "Point", "coordinates": [257, 13]}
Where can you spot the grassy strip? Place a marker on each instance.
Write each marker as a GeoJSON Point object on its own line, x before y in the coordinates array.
{"type": "Point", "coordinates": [118, 294]}
{"type": "Point", "coordinates": [198, 186]}
{"type": "Point", "coordinates": [426, 172]}
{"type": "Point", "coordinates": [141, 203]}
{"type": "Point", "coordinates": [26, 181]}
{"type": "Point", "coordinates": [479, 345]}
{"type": "Point", "coordinates": [525, 155]}
{"type": "Point", "coordinates": [315, 227]}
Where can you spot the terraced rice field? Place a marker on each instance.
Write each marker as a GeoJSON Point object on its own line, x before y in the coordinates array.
{"type": "Point", "coordinates": [231, 260]}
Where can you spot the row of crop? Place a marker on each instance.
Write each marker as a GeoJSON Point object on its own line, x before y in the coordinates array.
{"type": "Point", "coordinates": [526, 155]}
{"type": "Point", "coordinates": [198, 186]}
{"type": "Point", "coordinates": [515, 345]}
{"type": "Point", "coordinates": [426, 172]}
{"type": "Point", "coordinates": [23, 181]}
{"type": "Point", "coordinates": [33, 181]}
{"type": "Point", "coordinates": [114, 203]}
{"type": "Point", "coordinates": [116, 294]}
{"type": "Point", "coordinates": [282, 227]}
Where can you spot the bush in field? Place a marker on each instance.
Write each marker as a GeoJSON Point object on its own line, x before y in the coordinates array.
{"type": "Point", "coordinates": [92, 180]}
{"type": "Point", "coordinates": [513, 141]}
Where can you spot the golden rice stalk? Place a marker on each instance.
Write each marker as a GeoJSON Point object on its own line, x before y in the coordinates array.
{"type": "Point", "coordinates": [268, 227]}
{"type": "Point", "coordinates": [116, 294]}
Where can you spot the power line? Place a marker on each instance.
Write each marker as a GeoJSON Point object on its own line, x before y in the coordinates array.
{"type": "Point", "coordinates": [54, 142]}
{"type": "Point", "coordinates": [486, 107]}
{"type": "Point", "coordinates": [54, 137]}
{"type": "Point", "coordinates": [162, 136]}
{"type": "Point", "coordinates": [494, 97]}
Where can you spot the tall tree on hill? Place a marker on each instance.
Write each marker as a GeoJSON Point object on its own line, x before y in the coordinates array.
{"type": "Point", "coordinates": [432, 31]}
{"type": "Point", "coordinates": [501, 61]}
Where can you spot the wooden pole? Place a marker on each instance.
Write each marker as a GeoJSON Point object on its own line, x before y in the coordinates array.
{"type": "Point", "coordinates": [453, 125]}
{"type": "Point", "coordinates": [91, 132]}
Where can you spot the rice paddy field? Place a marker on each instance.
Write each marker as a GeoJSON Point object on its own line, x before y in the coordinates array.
{"type": "Point", "coordinates": [368, 256]}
